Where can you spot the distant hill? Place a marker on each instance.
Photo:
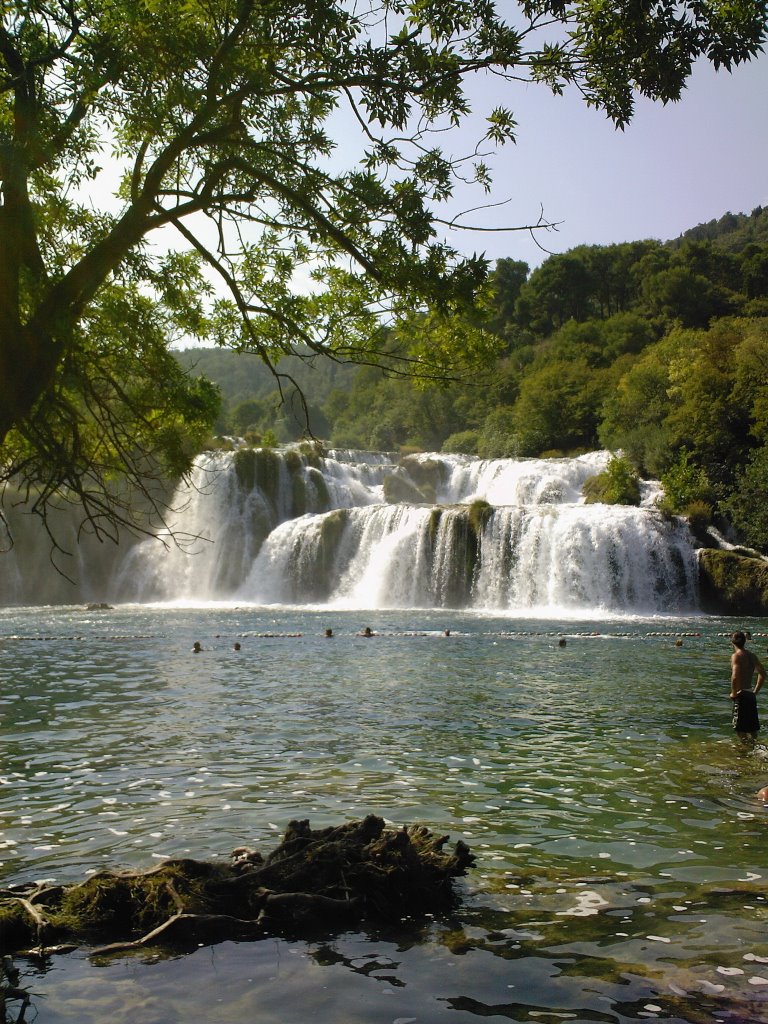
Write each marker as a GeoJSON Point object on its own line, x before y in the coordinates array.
{"type": "Point", "coordinates": [581, 310]}
{"type": "Point", "coordinates": [732, 232]}
{"type": "Point", "coordinates": [245, 376]}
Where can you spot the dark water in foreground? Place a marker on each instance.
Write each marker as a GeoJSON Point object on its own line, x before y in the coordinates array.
{"type": "Point", "coordinates": [621, 851]}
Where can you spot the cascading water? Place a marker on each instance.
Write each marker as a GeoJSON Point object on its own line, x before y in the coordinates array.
{"type": "Point", "coordinates": [303, 526]}
{"type": "Point", "coordinates": [232, 504]}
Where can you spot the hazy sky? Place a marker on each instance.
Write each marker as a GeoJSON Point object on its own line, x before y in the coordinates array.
{"type": "Point", "coordinates": [672, 168]}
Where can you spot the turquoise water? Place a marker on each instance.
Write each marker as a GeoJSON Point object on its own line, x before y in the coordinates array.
{"type": "Point", "coordinates": [621, 850]}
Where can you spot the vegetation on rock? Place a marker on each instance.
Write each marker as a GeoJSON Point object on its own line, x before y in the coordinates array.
{"type": "Point", "coordinates": [399, 488]}
{"type": "Point", "coordinates": [732, 584]}
{"type": "Point", "coordinates": [618, 484]}
{"type": "Point", "coordinates": [478, 514]}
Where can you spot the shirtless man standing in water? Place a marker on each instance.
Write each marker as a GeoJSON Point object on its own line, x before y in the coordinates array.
{"type": "Point", "coordinates": [744, 664]}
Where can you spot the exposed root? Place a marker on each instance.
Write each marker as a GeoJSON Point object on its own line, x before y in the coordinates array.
{"type": "Point", "coordinates": [183, 929]}
{"type": "Point", "coordinates": [324, 878]}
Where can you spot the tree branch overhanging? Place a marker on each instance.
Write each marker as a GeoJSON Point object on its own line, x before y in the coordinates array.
{"type": "Point", "coordinates": [224, 111]}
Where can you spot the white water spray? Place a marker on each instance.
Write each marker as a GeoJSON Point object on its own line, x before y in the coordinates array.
{"type": "Point", "coordinates": [299, 527]}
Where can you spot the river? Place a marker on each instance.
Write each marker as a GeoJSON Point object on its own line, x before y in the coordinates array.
{"type": "Point", "coordinates": [620, 847]}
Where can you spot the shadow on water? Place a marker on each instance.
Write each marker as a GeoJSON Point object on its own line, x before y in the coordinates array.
{"type": "Point", "coordinates": [597, 948]}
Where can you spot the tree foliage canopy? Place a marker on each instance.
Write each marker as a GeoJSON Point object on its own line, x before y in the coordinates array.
{"type": "Point", "coordinates": [214, 121]}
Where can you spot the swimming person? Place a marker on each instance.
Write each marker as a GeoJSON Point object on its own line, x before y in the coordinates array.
{"type": "Point", "coordinates": [744, 664]}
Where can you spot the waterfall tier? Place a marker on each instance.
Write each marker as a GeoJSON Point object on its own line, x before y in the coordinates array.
{"type": "Point", "coordinates": [360, 529]}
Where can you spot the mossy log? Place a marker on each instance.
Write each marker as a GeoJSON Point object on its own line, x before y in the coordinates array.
{"type": "Point", "coordinates": [325, 878]}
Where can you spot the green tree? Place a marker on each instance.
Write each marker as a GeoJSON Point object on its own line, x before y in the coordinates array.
{"type": "Point", "coordinates": [587, 282]}
{"type": "Point", "coordinates": [704, 417]}
{"type": "Point", "coordinates": [754, 271]}
{"type": "Point", "coordinates": [680, 294]}
{"type": "Point", "coordinates": [106, 437]}
{"type": "Point", "coordinates": [686, 486]}
{"type": "Point", "coordinates": [249, 415]}
{"type": "Point", "coordinates": [219, 115]}
{"type": "Point", "coordinates": [701, 390]}
{"type": "Point", "coordinates": [746, 505]}
{"type": "Point", "coordinates": [635, 412]}
{"type": "Point", "coordinates": [626, 334]}
{"type": "Point", "coordinates": [718, 266]}
{"type": "Point", "coordinates": [558, 291]}
{"type": "Point", "coordinates": [576, 340]}
{"type": "Point", "coordinates": [613, 282]}
{"type": "Point", "coordinates": [507, 279]}
{"type": "Point", "coordinates": [750, 375]}
{"type": "Point", "coordinates": [558, 407]}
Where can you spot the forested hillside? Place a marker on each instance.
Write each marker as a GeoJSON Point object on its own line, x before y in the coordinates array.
{"type": "Point", "coordinates": [659, 350]}
{"type": "Point", "coordinates": [255, 401]}
{"type": "Point", "coordinates": [733, 231]}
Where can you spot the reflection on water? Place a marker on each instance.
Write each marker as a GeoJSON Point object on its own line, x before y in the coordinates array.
{"type": "Point", "coordinates": [621, 852]}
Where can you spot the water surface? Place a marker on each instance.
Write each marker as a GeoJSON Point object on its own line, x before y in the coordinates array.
{"type": "Point", "coordinates": [621, 851]}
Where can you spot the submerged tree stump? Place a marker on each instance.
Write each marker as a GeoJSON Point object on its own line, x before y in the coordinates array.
{"type": "Point", "coordinates": [322, 878]}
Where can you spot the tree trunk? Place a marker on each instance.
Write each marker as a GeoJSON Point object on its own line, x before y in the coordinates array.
{"type": "Point", "coordinates": [28, 360]}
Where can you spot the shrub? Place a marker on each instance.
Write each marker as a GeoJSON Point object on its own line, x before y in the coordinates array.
{"type": "Point", "coordinates": [685, 483]}
{"type": "Point", "coordinates": [699, 514]}
{"type": "Point", "coordinates": [465, 442]}
{"type": "Point", "coordinates": [618, 484]}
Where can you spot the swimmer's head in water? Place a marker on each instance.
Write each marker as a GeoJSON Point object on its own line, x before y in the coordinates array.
{"type": "Point", "coordinates": [738, 639]}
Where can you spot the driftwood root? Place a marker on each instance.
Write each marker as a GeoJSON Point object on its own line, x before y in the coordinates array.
{"type": "Point", "coordinates": [323, 878]}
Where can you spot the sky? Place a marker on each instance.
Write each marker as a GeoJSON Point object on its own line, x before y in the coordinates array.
{"type": "Point", "coordinates": [672, 168]}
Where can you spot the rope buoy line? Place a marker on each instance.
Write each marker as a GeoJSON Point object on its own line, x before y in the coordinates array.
{"type": "Point", "coordinates": [595, 633]}
{"type": "Point", "coordinates": [516, 634]}
{"type": "Point", "coordinates": [83, 636]}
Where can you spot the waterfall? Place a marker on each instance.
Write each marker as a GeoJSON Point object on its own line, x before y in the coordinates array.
{"type": "Point", "coordinates": [303, 525]}
{"type": "Point", "coordinates": [228, 509]}
{"type": "Point", "coordinates": [586, 556]}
